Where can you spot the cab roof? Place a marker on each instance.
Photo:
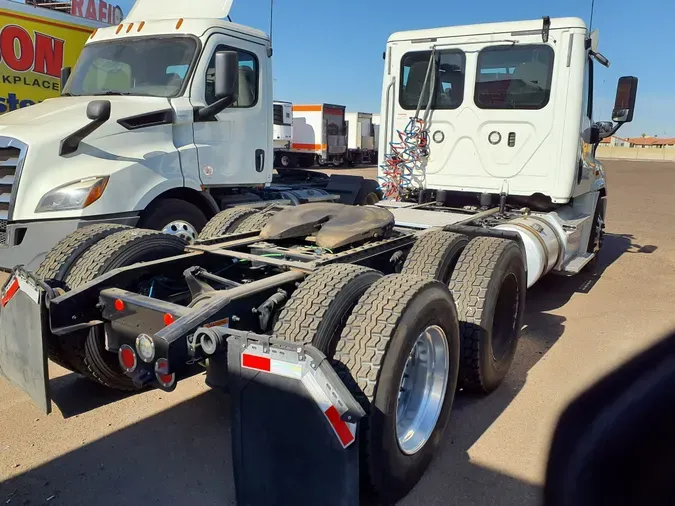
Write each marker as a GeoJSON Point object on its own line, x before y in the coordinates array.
{"type": "Point", "coordinates": [177, 26]}
{"type": "Point", "coordinates": [487, 28]}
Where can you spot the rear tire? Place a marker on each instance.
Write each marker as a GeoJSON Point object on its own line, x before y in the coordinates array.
{"type": "Point", "coordinates": [226, 222]}
{"type": "Point", "coordinates": [371, 358]}
{"type": "Point", "coordinates": [488, 285]}
{"type": "Point", "coordinates": [86, 350]}
{"type": "Point", "coordinates": [435, 255]}
{"type": "Point", "coordinates": [174, 217]}
{"type": "Point", "coordinates": [319, 308]}
{"type": "Point", "coordinates": [253, 222]}
{"type": "Point", "coordinates": [57, 264]}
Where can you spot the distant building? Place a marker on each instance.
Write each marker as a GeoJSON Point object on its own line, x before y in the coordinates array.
{"type": "Point", "coordinates": [614, 141]}
{"type": "Point", "coordinates": [652, 142]}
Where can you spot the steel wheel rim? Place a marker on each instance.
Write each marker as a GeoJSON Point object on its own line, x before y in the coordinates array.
{"type": "Point", "coordinates": [422, 390]}
{"type": "Point", "coordinates": [182, 229]}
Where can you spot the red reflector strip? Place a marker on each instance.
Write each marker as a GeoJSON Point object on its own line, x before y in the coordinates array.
{"type": "Point", "coordinates": [339, 426]}
{"type": "Point", "coordinates": [255, 362]}
{"type": "Point", "coordinates": [11, 291]}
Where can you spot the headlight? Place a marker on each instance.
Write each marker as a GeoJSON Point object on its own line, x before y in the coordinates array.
{"type": "Point", "coordinates": [75, 195]}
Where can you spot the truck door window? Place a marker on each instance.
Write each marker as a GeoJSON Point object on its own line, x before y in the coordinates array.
{"type": "Point", "coordinates": [514, 77]}
{"type": "Point", "coordinates": [248, 78]}
{"type": "Point", "coordinates": [449, 89]}
{"type": "Point", "coordinates": [154, 67]}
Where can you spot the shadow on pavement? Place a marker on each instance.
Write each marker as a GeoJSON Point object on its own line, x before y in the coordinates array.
{"type": "Point", "coordinates": [74, 394]}
{"type": "Point", "coordinates": [183, 455]}
{"type": "Point", "coordinates": [180, 456]}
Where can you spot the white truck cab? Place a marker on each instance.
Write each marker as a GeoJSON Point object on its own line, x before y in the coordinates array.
{"type": "Point", "coordinates": [152, 129]}
{"type": "Point", "coordinates": [510, 119]}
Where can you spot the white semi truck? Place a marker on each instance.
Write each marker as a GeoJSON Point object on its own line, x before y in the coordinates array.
{"type": "Point", "coordinates": [140, 137]}
{"type": "Point", "coordinates": [487, 146]}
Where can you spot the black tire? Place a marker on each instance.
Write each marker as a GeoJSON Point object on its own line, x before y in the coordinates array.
{"type": "Point", "coordinates": [226, 222]}
{"type": "Point", "coordinates": [288, 161]}
{"type": "Point", "coordinates": [488, 285]}
{"type": "Point", "coordinates": [86, 350]}
{"type": "Point", "coordinates": [435, 255]}
{"type": "Point", "coordinates": [253, 222]}
{"type": "Point", "coordinates": [370, 358]}
{"type": "Point", "coordinates": [166, 211]}
{"type": "Point", "coordinates": [57, 264]}
{"type": "Point", "coordinates": [597, 237]}
{"type": "Point", "coordinates": [369, 194]}
{"type": "Point", "coordinates": [319, 308]}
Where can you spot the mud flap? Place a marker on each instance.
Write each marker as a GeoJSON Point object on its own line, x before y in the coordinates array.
{"type": "Point", "coordinates": [23, 316]}
{"type": "Point", "coordinates": [294, 426]}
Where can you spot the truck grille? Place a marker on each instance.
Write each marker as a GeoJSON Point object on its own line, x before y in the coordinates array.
{"type": "Point", "coordinates": [12, 153]}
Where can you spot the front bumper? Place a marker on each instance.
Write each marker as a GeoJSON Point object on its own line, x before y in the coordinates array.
{"type": "Point", "coordinates": [27, 243]}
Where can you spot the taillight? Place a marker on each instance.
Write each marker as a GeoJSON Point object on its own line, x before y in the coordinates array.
{"type": "Point", "coordinates": [145, 348]}
{"type": "Point", "coordinates": [166, 379]}
{"type": "Point", "coordinates": [127, 358]}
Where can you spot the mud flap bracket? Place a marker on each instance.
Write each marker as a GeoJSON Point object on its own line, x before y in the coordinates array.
{"type": "Point", "coordinates": [294, 425]}
{"type": "Point", "coordinates": [23, 320]}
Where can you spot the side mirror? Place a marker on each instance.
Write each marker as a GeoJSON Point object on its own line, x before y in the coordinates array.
{"type": "Point", "coordinates": [606, 128]}
{"type": "Point", "coordinates": [227, 75]}
{"type": "Point", "coordinates": [65, 75]}
{"type": "Point", "coordinates": [98, 110]}
{"type": "Point", "coordinates": [626, 94]}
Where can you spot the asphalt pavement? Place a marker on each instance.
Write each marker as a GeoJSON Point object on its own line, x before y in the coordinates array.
{"type": "Point", "coordinates": [105, 448]}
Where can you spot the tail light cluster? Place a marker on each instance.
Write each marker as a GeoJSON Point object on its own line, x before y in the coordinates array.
{"type": "Point", "coordinates": [145, 349]}
{"type": "Point", "coordinates": [129, 361]}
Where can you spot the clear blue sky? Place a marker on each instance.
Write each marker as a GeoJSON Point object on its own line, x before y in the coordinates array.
{"type": "Point", "coordinates": [331, 50]}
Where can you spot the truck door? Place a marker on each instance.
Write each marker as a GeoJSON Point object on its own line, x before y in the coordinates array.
{"type": "Point", "coordinates": [235, 148]}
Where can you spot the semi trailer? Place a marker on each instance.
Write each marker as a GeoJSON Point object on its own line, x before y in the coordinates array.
{"type": "Point", "coordinates": [140, 135]}
{"type": "Point", "coordinates": [408, 299]}
{"type": "Point", "coordinates": [308, 135]}
{"type": "Point", "coordinates": [317, 135]}
{"type": "Point", "coordinates": [360, 138]}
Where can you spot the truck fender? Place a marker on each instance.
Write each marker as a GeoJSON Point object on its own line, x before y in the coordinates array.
{"type": "Point", "coordinates": [174, 188]}
{"type": "Point", "coordinates": [352, 189]}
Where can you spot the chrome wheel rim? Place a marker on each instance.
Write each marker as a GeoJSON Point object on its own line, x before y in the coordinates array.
{"type": "Point", "coordinates": [422, 390]}
{"type": "Point", "coordinates": [182, 229]}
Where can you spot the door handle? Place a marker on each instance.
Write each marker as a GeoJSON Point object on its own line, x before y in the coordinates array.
{"type": "Point", "coordinates": [259, 160]}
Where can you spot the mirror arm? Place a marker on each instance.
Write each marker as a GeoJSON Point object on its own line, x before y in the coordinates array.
{"type": "Point", "coordinates": [209, 111]}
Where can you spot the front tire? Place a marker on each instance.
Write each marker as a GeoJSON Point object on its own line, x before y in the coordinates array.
{"type": "Point", "coordinates": [174, 217]}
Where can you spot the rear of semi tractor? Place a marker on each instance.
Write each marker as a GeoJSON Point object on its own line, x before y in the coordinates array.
{"type": "Point", "coordinates": [486, 148]}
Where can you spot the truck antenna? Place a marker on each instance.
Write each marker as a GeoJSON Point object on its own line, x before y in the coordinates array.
{"type": "Point", "coordinates": [271, 22]}
{"type": "Point", "coordinates": [590, 27]}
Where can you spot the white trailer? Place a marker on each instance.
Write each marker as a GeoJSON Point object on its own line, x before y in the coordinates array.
{"type": "Point", "coordinates": [283, 126]}
{"type": "Point", "coordinates": [319, 137]}
{"type": "Point", "coordinates": [360, 138]}
{"type": "Point", "coordinates": [376, 131]}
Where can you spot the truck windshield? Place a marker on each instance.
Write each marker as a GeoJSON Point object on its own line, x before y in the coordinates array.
{"type": "Point", "coordinates": [150, 67]}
